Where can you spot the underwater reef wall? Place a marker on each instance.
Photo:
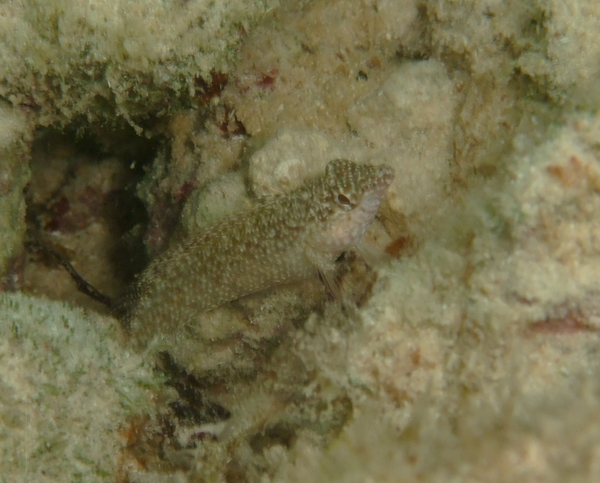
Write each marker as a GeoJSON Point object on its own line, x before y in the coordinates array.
{"type": "Point", "coordinates": [464, 342]}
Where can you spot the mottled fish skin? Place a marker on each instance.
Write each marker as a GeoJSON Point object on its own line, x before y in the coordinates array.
{"type": "Point", "coordinates": [287, 238]}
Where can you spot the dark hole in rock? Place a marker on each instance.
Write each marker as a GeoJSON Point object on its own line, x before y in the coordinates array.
{"type": "Point", "coordinates": [81, 202]}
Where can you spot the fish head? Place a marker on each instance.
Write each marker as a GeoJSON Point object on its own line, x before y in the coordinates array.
{"type": "Point", "coordinates": [351, 194]}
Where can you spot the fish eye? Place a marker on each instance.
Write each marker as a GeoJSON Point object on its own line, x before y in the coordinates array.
{"type": "Point", "coordinates": [343, 200]}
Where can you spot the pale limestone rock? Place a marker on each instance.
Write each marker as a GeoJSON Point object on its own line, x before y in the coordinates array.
{"type": "Point", "coordinates": [68, 388]}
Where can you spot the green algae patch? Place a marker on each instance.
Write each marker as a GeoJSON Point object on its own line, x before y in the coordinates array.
{"type": "Point", "coordinates": [67, 392]}
{"type": "Point", "coordinates": [107, 60]}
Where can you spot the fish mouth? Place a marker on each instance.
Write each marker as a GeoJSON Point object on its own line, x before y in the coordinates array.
{"type": "Point", "coordinates": [374, 194]}
{"type": "Point", "coordinates": [385, 178]}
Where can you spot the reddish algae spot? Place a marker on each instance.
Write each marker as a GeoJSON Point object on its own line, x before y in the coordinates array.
{"type": "Point", "coordinates": [571, 323]}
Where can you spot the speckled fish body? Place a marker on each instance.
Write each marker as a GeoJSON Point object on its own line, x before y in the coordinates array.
{"type": "Point", "coordinates": [285, 239]}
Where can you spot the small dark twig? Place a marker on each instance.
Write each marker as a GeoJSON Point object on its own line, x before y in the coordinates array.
{"type": "Point", "coordinates": [82, 285]}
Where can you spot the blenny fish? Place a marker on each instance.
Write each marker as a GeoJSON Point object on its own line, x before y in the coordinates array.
{"type": "Point", "coordinates": [286, 238]}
